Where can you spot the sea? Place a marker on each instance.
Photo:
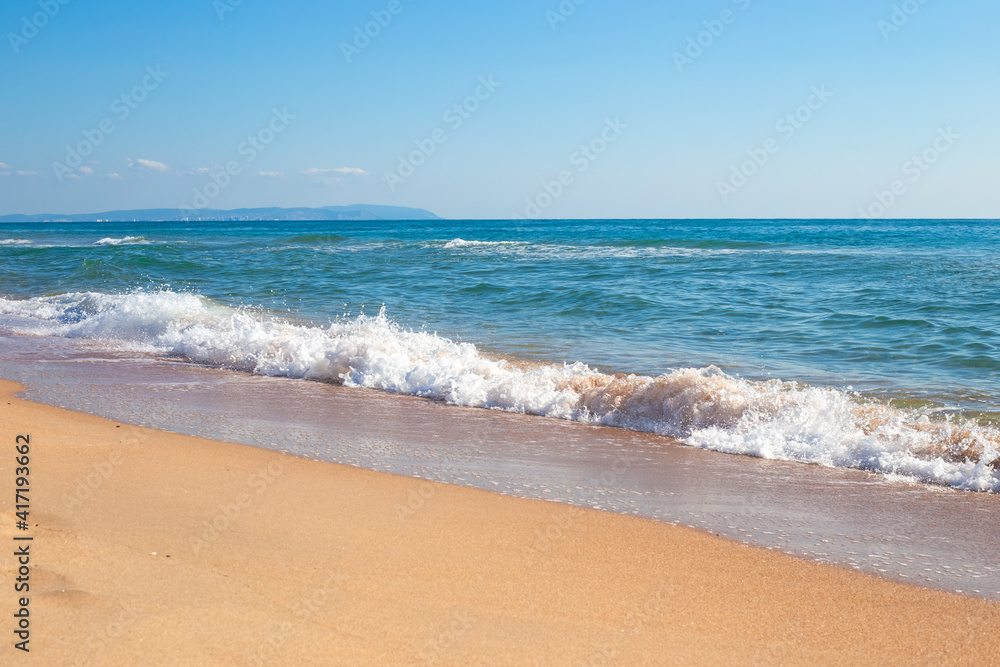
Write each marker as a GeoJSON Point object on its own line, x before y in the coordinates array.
{"type": "Point", "coordinates": [833, 347]}
{"type": "Point", "coordinates": [844, 343]}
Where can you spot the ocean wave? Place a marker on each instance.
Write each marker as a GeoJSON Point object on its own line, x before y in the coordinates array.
{"type": "Point", "coordinates": [309, 239]}
{"type": "Point", "coordinates": [15, 242]}
{"type": "Point", "coordinates": [127, 240]}
{"type": "Point", "coordinates": [608, 250]}
{"type": "Point", "coordinates": [704, 407]}
{"type": "Point", "coordinates": [692, 244]}
{"type": "Point", "coordinates": [462, 243]}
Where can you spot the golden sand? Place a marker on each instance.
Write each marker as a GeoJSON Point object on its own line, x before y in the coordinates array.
{"type": "Point", "coordinates": [155, 548]}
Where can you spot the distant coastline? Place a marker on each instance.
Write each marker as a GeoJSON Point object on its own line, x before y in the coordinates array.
{"type": "Point", "coordinates": [353, 212]}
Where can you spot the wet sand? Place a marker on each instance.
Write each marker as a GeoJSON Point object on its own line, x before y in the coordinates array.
{"type": "Point", "coordinates": [157, 548]}
{"type": "Point", "coordinates": [917, 533]}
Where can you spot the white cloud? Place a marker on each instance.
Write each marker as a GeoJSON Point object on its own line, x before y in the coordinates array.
{"type": "Point", "coordinates": [147, 165]}
{"type": "Point", "coordinates": [271, 174]}
{"type": "Point", "coordinates": [4, 165]}
{"type": "Point", "coordinates": [27, 173]}
{"type": "Point", "coordinates": [86, 170]}
{"type": "Point", "coordinates": [114, 176]}
{"type": "Point", "coordinates": [316, 171]}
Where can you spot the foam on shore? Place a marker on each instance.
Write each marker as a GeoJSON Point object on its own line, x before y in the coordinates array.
{"type": "Point", "coordinates": [704, 407]}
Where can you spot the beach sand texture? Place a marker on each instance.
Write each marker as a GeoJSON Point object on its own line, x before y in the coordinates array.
{"type": "Point", "coordinates": [155, 548]}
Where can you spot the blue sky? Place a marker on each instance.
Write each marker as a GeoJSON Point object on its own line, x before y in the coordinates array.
{"type": "Point", "coordinates": [691, 138]}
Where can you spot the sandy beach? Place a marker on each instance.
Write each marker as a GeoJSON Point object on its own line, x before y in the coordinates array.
{"type": "Point", "coordinates": [555, 333]}
{"type": "Point", "coordinates": [155, 548]}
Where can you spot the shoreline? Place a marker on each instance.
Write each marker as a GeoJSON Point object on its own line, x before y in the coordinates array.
{"type": "Point", "coordinates": [913, 533]}
{"type": "Point", "coordinates": [202, 550]}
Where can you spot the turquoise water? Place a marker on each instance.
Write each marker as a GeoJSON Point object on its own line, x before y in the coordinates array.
{"type": "Point", "coordinates": [901, 312]}
{"type": "Point", "coordinates": [908, 308]}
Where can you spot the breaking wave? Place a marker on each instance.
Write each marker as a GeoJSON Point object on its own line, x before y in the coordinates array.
{"type": "Point", "coordinates": [128, 240]}
{"type": "Point", "coordinates": [704, 407]}
{"type": "Point", "coordinates": [462, 243]}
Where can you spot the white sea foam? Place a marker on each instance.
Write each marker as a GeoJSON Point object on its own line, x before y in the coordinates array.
{"type": "Point", "coordinates": [462, 243]}
{"type": "Point", "coordinates": [585, 252]}
{"type": "Point", "coordinates": [128, 240]}
{"type": "Point", "coordinates": [15, 242]}
{"type": "Point", "coordinates": [703, 406]}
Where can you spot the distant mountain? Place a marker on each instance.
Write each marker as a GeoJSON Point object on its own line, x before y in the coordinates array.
{"type": "Point", "coordinates": [354, 212]}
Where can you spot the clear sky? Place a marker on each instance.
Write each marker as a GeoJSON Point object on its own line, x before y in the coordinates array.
{"type": "Point", "coordinates": [665, 119]}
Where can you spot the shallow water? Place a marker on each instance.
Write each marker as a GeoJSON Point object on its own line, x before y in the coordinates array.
{"type": "Point", "coordinates": [874, 346]}
{"type": "Point", "coordinates": [915, 533]}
